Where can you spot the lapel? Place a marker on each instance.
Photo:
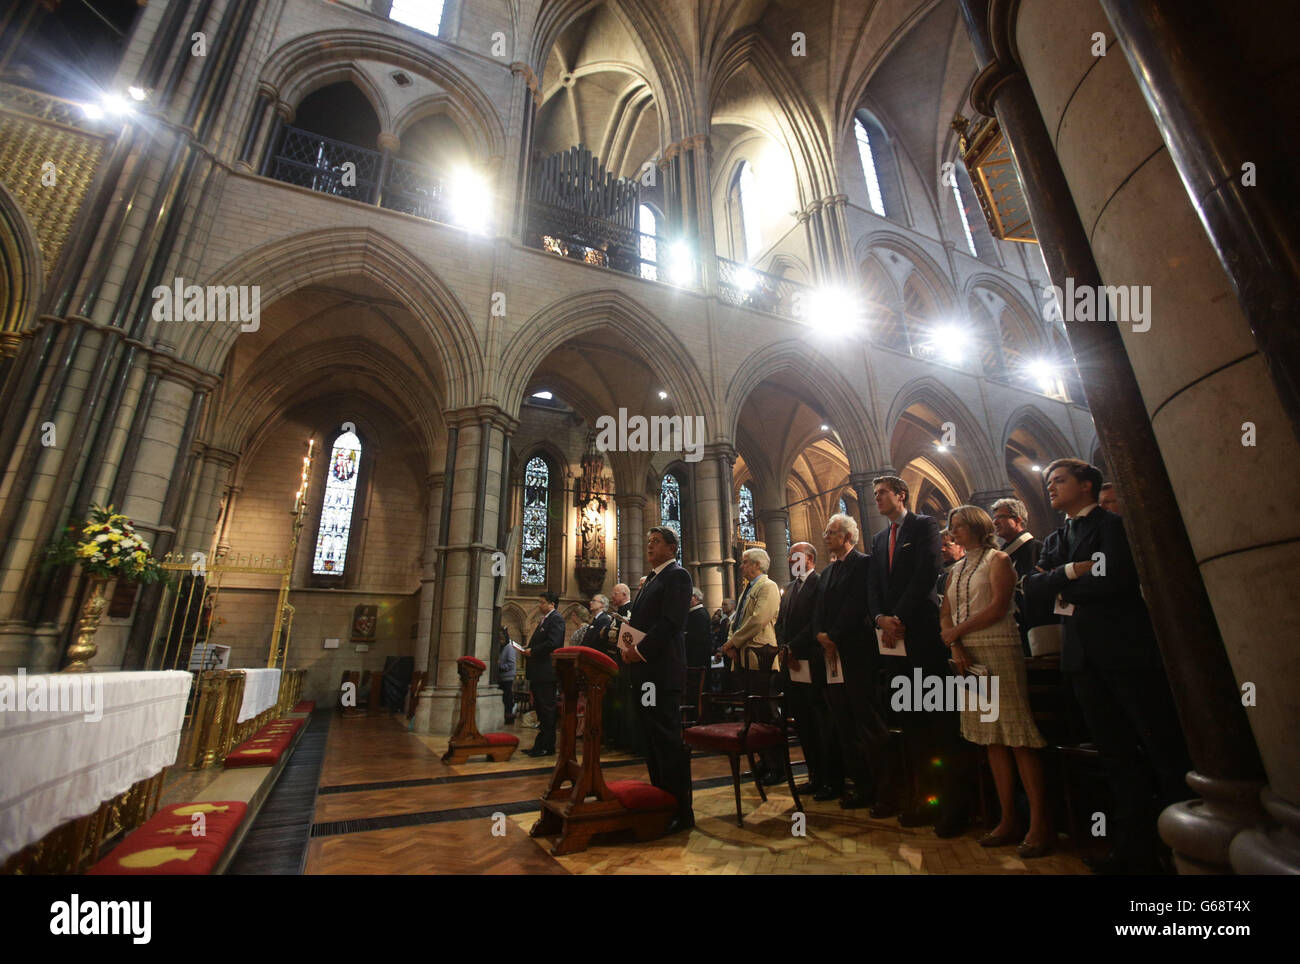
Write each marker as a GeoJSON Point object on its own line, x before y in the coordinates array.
{"type": "Point", "coordinates": [1087, 529]}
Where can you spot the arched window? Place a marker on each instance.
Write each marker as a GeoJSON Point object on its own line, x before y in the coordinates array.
{"type": "Point", "coordinates": [844, 506]}
{"type": "Point", "coordinates": [537, 502]}
{"type": "Point", "coordinates": [965, 218]}
{"type": "Point", "coordinates": [423, 15]}
{"type": "Point", "coordinates": [337, 502]}
{"type": "Point", "coordinates": [868, 158]}
{"type": "Point", "coordinates": [747, 192]}
{"type": "Point", "coordinates": [747, 528]}
{"type": "Point", "coordinates": [646, 223]}
{"type": "Point", "coordinates": [670, 507]}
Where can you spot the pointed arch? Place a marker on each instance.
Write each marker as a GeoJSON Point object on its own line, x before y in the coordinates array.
{"type": "Point", "coordinates": [935, 278]}
{"type": "Point", "coordinates": [1037, 423]}
{"type": "Point", "coordinates": [22, 270]}
{"type": "Point", "coordinates": [973, 449]}
{"type": "Point", "coordinates": [860, 438]}
{"type": "Point", "coordinates": [288, 264]}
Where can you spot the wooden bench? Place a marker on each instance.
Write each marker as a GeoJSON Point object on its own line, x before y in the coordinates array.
{"type": "Point", "coordinates": [467, 741]}
{"type": "Point", "coordinates": [573, 814]}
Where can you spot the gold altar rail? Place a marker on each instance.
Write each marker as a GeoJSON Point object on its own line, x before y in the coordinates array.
{"type": "Point", "coordinates": [77, 844]}
{"type": "Point", "coordinates": [220, 693]}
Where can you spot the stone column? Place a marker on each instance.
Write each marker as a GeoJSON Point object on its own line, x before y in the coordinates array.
{"type": "Point", "coordinates": [433, 486]}
{"type": "Point", "coordinates": [774, 523]}
{"type": "Point", "coordinates": [634, 534]}
{"type": "Point", "coordinates": [389, 144]}
{"type": "Point", "coordinates": [1184, 366]}
{"type": "Point", "coordinates": [986, 497]}
{"type": "Point", "coordinates": [266, 98]}
{"type": "Point", "coordinates": [725, 456]}
{"type": "Point", "coordinates": [871, 520]}
{"type": "Point", "coordinates": [708, 532]}
{"type": "Point", "coordinates": [523, 115]}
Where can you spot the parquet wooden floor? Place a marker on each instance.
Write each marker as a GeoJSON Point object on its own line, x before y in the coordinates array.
{"type": "Point", "coordinates": [450, 811]}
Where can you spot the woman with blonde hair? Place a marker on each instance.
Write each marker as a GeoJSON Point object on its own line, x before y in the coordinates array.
{"type": "Point", "coordinates": [979, 626]}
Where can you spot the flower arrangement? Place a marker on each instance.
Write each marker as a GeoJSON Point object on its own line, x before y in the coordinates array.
{"type": "Point", "coordinates": [108, 546]}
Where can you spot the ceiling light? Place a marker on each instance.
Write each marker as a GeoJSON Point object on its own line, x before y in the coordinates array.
{"type": "Point", "coordinates": [137, 93]}
{"type": "Point", "coordinates": [546, 395]}
{"type": "Point", "coordinates": [1035, 468]}
{"type": "Point", "coordinates": [663, 395]}
{"type": "Point", "coordinates": [681, 265]}
{"type": "Point", "coordinates": [470, 204]}
{"type": "Point", "coordinates": [830, 310]}
{"type": "Point", "coordinates": [116, 104]}
{"type": "Point", "coordinates": [825, 427]}
{"type": "Point", "coordinates": [950, 342]}
{"type": "Point", "coordinates": [1044, 373]}
{"type": "Point", "coordinates": [746, 280]}
{"type": "Point", "coordinates": [941, 447]}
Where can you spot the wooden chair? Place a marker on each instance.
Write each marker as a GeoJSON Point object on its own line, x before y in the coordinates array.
{"type": "Point", "coordinates": [693, 711]}
{"type": "Point", "coordinates": [467, 741]}
{"type": "Point", "coordinates": [747, 737]}
{"type": "Point", "coordinates": [588, 806]}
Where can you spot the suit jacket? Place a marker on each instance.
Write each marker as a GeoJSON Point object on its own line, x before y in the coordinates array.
{"type": "Point", "coordinates": [1110, 628]}
{"type": "Point", "coordinates": [595, 637]}
{"type": "Point", "coordinates": [794, 624]}
{"type": "Point", "coordinates": [906, 589]}
{"type": "Point", "coordinates": [660, 612]}
{"type": "Point", "coordinates": [697, 637]}
{"type": "Point", "coordinates": [755, 625]}
{"type": "Point", "coordinates": [547, 637]}
{"type": "Point", "coordinates": [1029, 614]}
{"type": "Point", "coordinates": [840, 610]}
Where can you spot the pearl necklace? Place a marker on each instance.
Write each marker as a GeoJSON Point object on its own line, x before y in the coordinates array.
{"type": "Point", "coordinates": [968, 573]}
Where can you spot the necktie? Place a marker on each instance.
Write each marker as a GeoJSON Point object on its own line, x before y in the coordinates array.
{"type": "Point", "coordinates": [1071, 535]}
{"type": "Point", "coordinates": [893, 538]}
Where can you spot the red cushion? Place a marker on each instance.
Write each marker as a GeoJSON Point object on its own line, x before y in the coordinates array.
{"type": "Point", "coordinates": [166, 843]}
{"type": "Point", "coordinates": [305, 706]}
{"type": "Point", "coordinates": [471, 661]}
{"type": "Point", "coordinates": [726, 736]}
{"type": "Point", "coordinates": [635, 795]}
{"type": "Point", "coordinates": [501, 739]}
{"type": "Point", "coordinates": [594, 655]}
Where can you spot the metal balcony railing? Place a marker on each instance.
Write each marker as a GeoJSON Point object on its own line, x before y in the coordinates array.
{"type": "Point", "coordinates": [744, 287]}
{"type": "Point", "coordinates": [323, 164]}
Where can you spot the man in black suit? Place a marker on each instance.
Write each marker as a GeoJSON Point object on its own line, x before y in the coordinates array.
{"type": "Point", "coordinates": [618, 711]}
{"type": "Point", "coordinates": [840, 629]}
{"type": "Point", "coordinates": [1109, 652]}
{"type": "Point", "coordinates": [1009, 518]}
{"type": "Point", "coordinates": [906, 560]}
{"type": "Point", "coordinates": [547, 637]}
{"type": "Point", "coordinates": [600, 622]}
{"type": "Point", "coordinates": [697, 632]}
{"type": "Point", "coordinates": [658, 665]}
{"type": "Point", "coordinates": [807, 701]}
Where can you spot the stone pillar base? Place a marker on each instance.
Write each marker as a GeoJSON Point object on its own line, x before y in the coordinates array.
{"type": "Point", "coordinates": [438, 708]}
{"type": "Point", "coordinates": [1200, 831]}
{"type": "Point", "coordinates": [1275, 851]}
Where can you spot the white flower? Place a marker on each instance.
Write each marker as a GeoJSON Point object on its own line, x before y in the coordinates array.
{"type": "Point", "coordinates": [102, 537]}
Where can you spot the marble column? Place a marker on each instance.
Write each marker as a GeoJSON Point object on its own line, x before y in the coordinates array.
{"type": "Point", "coordinates": [1149, 234]}
{"type": "Point", "coordinates": [709, 533]}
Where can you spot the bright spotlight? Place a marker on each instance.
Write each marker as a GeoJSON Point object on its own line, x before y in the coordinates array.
{"type": "Point", "coordinates": [831, 310]}
{"type": "Point", "coordinates": [746, 280]}
{"type": "Point", "coordinates": [137, 93]}
{"type": "Point", "coordinates": [470, 204]}
{"type": "Point", "coordinates": [825, 427]}
{"type": "Point", "coordinates": [92, 111]}
{"type": "Point", "coordinates": [681, 266]}
{"type": "Point", "coordinates": [663, 395]}
{"type": "Point", "coordinates": [950, 342]}
{"type": "Point", "coordinates": [116, 104]}
{"type": "Point", "coordinates": [1035, 468]}
{"type": "Point", "coordinates": [1044, 373]}
{"type": "Point", "coordinates": [544, 395]}
{"type": "Point", "coordinates": [940, 446]}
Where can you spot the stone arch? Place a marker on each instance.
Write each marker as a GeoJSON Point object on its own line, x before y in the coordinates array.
{"type": "Point", "coordinates": [786, 265]}
{"type": "Point", "coordinates": [311, 54]}
{"type": "Point", "coordinates": [515, 620]}
{"type": "Point", "coordinates": [318, 76]}
{"type": "Point", "coordinates": [936, 279]}
{"type": "Point", "coordinates": [976, 457]}
{"type": "Point", "coordinates": [859, 438]}
{"type": "Point", "coordinates": [801, 131]}
{"type": "Point", "coordinates": [1043, 428]}
{"type": "Point", "coordinates": [571, 316]}
{"type": "Point", "coordinates": [22, 271]}
{"type": "Point", "coordinates": [432, 106]}
{"type": "Point", "coordinates": [283, 266]}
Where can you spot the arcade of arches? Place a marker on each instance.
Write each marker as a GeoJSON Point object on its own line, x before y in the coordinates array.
{"type": "Point", "coordinates": [470, 244]}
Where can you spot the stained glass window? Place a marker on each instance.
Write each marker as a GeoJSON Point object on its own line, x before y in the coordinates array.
{"type": "Point", "coordinates": [747, 529]}
{"type": "Point", "coordinates": [965, 221]}
{"type": "Point", "coordinates": [748, 190]}
{"type": "Point", "coordinates": [788, 543]}
{"type": "Point", "coordinates": [537, 501]}
{"type": "Point", "coordinates": [649, 243]}
{"type": "Point", "coordinates": [336, 506]}
{"type": "Point", "coordinates": [844, 506]}
{"type": "Point", "coordinates": [869, 168]}
{"type": "Point", "coordinates": [670, 508]}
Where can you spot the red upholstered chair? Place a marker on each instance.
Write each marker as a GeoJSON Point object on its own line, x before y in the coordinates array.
{"type": "Point", "coordinates": [575, 813]}
{"type": "Point", "coordinates": [467, 741]}
{"type": "Point", "coordinates": [747, 737]}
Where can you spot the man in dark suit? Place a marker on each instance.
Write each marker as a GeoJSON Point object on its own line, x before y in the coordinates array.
{"type": "Point", "coordinates": [807, 701]}
{"type": "Point", "coordinates": [658, 665]}
{"type": "Point", "coordinates": [600, 622]}
{"type": "Point", "coordinates": [1009, 519]}
{"type": "Point", "coordinates": [1109, 653]}
{"type": "Point", "coordinates": [697, 632]}
{"type": "Point", "coordinates": [906, 559]}
{"type": "Point", "coordinates": [618, 712]}
{"type": "Point", "coordinates": [547, 637]}
{"type": "Point", "coordinates": [840, 629]}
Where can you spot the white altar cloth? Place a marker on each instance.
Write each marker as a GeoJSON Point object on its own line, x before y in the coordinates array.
{"type": "Point", "coordinates": [70, 741]}
{"type": "Point", "coordinates": [261, 692]}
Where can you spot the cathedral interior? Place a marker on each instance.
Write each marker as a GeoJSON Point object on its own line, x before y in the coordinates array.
{"type": "Point", "coordinates": [379, 320]}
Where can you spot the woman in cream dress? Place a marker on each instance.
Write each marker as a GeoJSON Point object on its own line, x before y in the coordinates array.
{"type": "Point", "coordinates": [979, 627]}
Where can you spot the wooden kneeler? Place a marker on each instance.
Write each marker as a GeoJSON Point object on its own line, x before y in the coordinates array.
{"type": "Point", "coordinates": [467, 741]}
{"type": "Point", "coordinates": [573, 815]}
